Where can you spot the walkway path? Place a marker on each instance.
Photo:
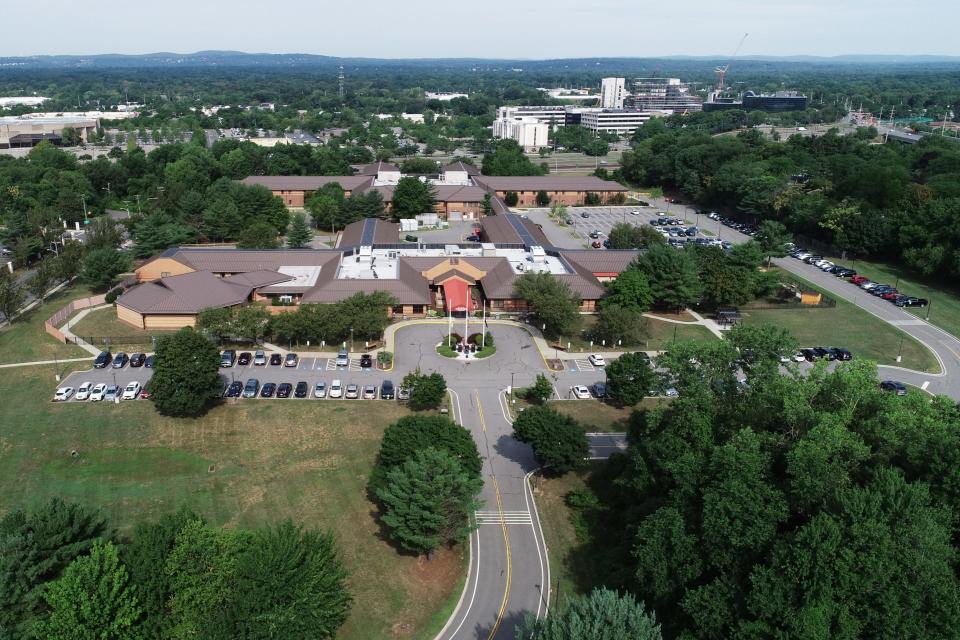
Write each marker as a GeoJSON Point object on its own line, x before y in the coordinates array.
{"type": "Point", "coordinates": [69, 335]}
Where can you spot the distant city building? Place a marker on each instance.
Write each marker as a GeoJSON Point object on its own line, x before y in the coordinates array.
{"type": "Point", "coordinates": [22, 131]}
{"type": "Point", "coordinates": [578, 95]}
{"type": "Point", "coordinates": [750, 101]}
{"type": "Point", "coordinates": [617, 121]}
{"type": "Point", "coordinates": [444, 97]}
{"type": "Point", "coordinates": [612, 93]}
{"type": "Point", "coordinates": [552, 115]}
{"type": "Point", "coordinates": [530, 133]}
{"type": "Point", "coordinates": [663, 94]}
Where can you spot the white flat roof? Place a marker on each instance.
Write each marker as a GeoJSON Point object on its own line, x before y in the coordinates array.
{"type": "Point", "coordinates": [302, 276]}
{"type": "Point", "coordinates": [382, 264]}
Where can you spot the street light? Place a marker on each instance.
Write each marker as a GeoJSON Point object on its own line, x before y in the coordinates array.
{"type": "Point", "coordinates": [351, 338]}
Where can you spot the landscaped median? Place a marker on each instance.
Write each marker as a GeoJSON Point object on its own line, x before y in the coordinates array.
{"type": "Point", "coordinates": [477, 345]}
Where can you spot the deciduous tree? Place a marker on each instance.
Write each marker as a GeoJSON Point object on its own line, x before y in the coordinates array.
{"type": "Point", "coordinates": [186, 374]}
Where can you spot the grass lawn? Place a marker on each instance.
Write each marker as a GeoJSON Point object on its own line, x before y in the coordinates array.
{"type": "Point", "coordinates": [602, 417]}
{"type": "Point", "coordinates": [246, 465]}
{"type": "Point", "coordinates": [944, 302]}
{"type": "Point", "coordinates": [849, 326]}
{"type": "Point", "coordinates": [104, 323]}
{"type": "Point", "coordinates": [658, 336]}
{"type": "Point", "coordinates": [26, 341]}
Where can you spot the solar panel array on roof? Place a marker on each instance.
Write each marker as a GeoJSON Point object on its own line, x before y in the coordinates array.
{"type": "Point", "coordinates": [369, 227]}
{"type": "Point", "coordinates": [522, 231]}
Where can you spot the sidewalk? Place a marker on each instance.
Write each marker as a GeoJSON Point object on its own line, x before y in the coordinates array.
{"type": "Point", "coordinates": [43, 362]}
{"type": "Point", "coordinates": [65, 329]}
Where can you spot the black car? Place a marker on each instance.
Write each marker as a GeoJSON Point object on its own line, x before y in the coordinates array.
{"type": "Point", "coordinates": [244, 359]}
{"type": "Point", "coordinates": [266, 391]}
{"type": "Point", "coordinates": [893, 386]}
{"type": "Point", "coordinates": [366, 361]}
{"type": "Point", "coordinates": [842, 354]}
{"type": "Point", "coordinates": [823, 352]}
{"type": "Point", "coordinates": [137, 359]}
{"type": "Point", "coordinates": [809, 354]}
{"type": "Point", "coordinates": [276, 359]}
{"type": "Point", "coordinates": [148, 363]}
{"type": "Point", "coordinates": [600, 390]}
{"type": "Point", "coordinates": [584, 215]}
{"type": "Point", "coordinates": [234, 390]}
{"type": "Point", "coordinates": [104, 359]}
{"type": "Point", "coordinates": [120, 360]}
{"type": "Point", "coordinates": [845, 273]}
{"type": "Point", "coordinates": [301, 390]}
{"type": "Point", "coordinates": [284, 389]}
{"type": "Point", "coordinates": [594, 234]}
{"type": "Point", "coordinates": [910, 301]}
{"type": "Point", "coordinates": [386, 390]}
{"type": "Point", "coordinates": [882, 290]}
{"type": "Point", "coordinates": [812, 259]}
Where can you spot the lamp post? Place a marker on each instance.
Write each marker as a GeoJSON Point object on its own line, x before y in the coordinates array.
{"type": "Point", "coordinates": [351, 339]}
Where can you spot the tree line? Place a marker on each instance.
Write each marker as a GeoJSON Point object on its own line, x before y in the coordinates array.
{"type": "Point", "coordinates": [66, 574]}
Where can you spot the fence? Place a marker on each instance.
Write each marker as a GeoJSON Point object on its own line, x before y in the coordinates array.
{"type": "Point", "coordinates": [61, 316]}
{"type": "Point", "coordinates": [107, 341]}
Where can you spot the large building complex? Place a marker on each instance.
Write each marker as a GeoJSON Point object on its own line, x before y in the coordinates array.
{"type": "Point", "coordinates": [459, 189]}
{"type": "Point", "coordinates": [19, 132]}
{"type": "Point", "coordinates": [750, 101]}
{"type": "Point", "coordinates": [619, 121]}
{"type": "Point", "coordinates": [530, 133]}
{"type": "Point", "coordinates": [616, 121]}
{"type": "Point", "coordinates": [612, 93]}
{"type": "Point", "coordinates": [181, 283]}
{"type": "Point", "coordinates": [663, 94]}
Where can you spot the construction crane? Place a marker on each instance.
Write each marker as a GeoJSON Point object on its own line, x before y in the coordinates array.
{"type": "Point", "coordinates": [722, 71]}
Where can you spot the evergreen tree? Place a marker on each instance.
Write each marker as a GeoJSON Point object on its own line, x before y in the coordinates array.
{"type": "Point", "coordinates": [102, 266]}
{"type": "Point", "coordinates": [428, 500]}
{"type": "Point", "coordinates": [259, 235]}
{"type": "Point", "coordinates": [298, 233]}
{"type": "Point", "coordinates": [603, 615]}
{"type": "Point", "coordinates": [411, 197]}
{"type": "Point", "coordinates": [673, 277]}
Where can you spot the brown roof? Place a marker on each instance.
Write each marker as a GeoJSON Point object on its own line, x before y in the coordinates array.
{"type": "Point", "coordinates": [187, 293]}
{"type": "Point", "coordinates": [306, 183]}
{"type": "Point", "coordinates": [247, 260]}
{"type": "Point", "coordinates": [608, 261]}
{"type": "Point", "coordinates": [462, 166]}
{"type": "Point", "coordinates": [374, 168]}
{"type": "Point", "coordinates": [258, 279]}
{"type": "Point", "coordinates": [548, 183]}
{"type": "Point", "coordinates": [498, 282]}
{"type": "Point", "coordinates": [384, 232]}
{"type": "Point", "coordinates": [498, 230]}
{"type": "Point", "coordinates": [441, 193]}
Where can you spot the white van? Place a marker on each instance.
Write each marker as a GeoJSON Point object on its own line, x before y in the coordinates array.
{"type": "Point", "coordinates": [336, 389]}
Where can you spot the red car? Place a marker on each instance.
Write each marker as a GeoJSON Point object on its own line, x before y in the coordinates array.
{"type": "Point", "coordinates": [144, 394]}
{"type": "Point", "coordinates": [893, 295]}
{"type": "Point", "coordinates": [857, 280]}
{"type": "Point", "coordinates": [596, 244]}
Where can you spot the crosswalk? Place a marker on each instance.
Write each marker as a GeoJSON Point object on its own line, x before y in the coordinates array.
{"type": "Point", "coordinates": [506, 517]}
{"type": "Point", "coordinates": [584, 365]}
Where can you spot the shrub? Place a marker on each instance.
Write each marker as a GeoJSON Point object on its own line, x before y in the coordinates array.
{"type": "Point", "coordinates": [113, 294]}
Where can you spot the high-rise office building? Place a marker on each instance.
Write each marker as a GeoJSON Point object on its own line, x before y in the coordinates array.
{"type": "Point", "coordinates": [612, 91]}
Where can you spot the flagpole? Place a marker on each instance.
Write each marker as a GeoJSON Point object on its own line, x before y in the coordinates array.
{"type": "Point", "coordinates": [483, 326]}
{"type": "Point", "coordinates": [449, 320]}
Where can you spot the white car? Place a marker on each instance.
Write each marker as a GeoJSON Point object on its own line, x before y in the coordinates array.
{"type": "Point", "coordinates": [597, 360]}
{"type": "Point", "coordinates": [580, 392]}
{"type": "Point", "coordinates": [97, 393]}
{"type": "Point", "coordinates": [131, 391]}
{"type": "Point", "coordinates": [83, 391]}
{"type": "Point", "coordinates": [634, 213]}
{"type": "Point", "coordinates": [671, 392]}
{"type": "Point", "coordinates": [63, 394]}
{"type": "Point", "coordinates": [336, 389]}
{"type": "Point", "coordinates": [798, 357]}
{"type": "Point", "coordinates": [803, 255]}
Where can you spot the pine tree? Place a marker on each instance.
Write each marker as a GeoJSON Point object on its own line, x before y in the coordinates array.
{"type": "Point", "coordinates": [298, 233]}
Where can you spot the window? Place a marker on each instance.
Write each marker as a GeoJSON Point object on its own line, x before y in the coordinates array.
{"type": "Point", "coordinates": [286, 299]}
{"type": "Point", "coordinates": [164, 274]}
{"type": "Point", "coordinates": [418, 308]}
{"type": "Point", "coordinates": [398, 309]}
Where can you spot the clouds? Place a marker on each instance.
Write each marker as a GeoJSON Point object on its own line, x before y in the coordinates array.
{"type": "Point", "coordinates": [490, 29]}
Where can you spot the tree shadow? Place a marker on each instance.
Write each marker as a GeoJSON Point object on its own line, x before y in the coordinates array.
{"type": "Point", "coordinates": [507, 630]}
{"type": "Point", "coordinates": [516, 451]}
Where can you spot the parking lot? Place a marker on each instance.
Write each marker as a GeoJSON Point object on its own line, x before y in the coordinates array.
{"type": "Point", "coordinates": [309, 370]}
{"type": "Point", "coordinates": [602, 219]}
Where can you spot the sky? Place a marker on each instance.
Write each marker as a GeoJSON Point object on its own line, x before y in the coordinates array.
{"type": "Point", "coordinates": [484, 28]}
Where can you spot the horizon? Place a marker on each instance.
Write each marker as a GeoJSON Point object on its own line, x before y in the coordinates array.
{"type": "Point", "coordinates": [571, 29]}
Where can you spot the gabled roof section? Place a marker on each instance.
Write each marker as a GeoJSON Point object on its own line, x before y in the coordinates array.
{"type": "Point", "coordinates": [374, 168]}
{"type": "Point", "coordinates": [408, 288]}
{"type": "Point", "coordinates": [188, 293]}
{"type": "Point", "coordinates": [601, 262]}
{"type": "Point", "coordinates": [498, 283]}
{"type": "Point", "coordinates": [257, 279]}
{"type": "Point", "coordinates": [307, 183]}
{"type": "Point", "coordinates": [357, 233]}
{"type": "Point", "coordinates": [509, 228]}
{"type": "Point", "coordinates": [462, 166]}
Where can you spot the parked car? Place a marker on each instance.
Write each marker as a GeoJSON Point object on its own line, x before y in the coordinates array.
{"type": "Point", "coordinates": [403, 394]}
{"type": "Point", "coordinates": [597, 360]}
{"type": "Point", "coordinates": [268, 389]}
{"type": "Point", "coordinates": [276, 359]}
{"type": "Point", "coordinates": [580, 392]}
{"type": "Point", "coordinates": [809, 355]}
{"type": "Point", "coordinates": [110, 395]}
{"type": "Point", "coordinates": [291, 360]}
{"type": "Point", "coordinates": [343, 358]}
{"type": "Point", "coordinates": [228, 358]}
{"type": "Point", "coordinates": [369, 392]}
{"type": "Point", "coordinates": [320, 390]}
{"type": "Point", "coordinates": [83, 391]}
{"type": "Point", "coordinates": [148, 363]}
{"type": "Point", "coordinates": [845, 273]}
{"type": "Point", "coordinates": [596, 244]}
{"type": "Point", "coordinates": [594, 234]}
{"type": "Point", "coordinates": [301, 390]}
{"type": "Point", "coordinates": [910, 301]}
{"type": "Point", "coordinates": [842, 354]}
{"type": "Point", "coordinates": [132, 390]}
{"type": "Point", "coordinates": [823, 352]}
{"type": "Point", "coordinates": [251, 388]}
{"type": "Point", "coordinates": [352, 391]}
{"type": "Point", "coordinates": [63, 394]}
{"type": "Point", "coordinates": [99, 389]}
{"type": "Point", "coordinates": [600, 389]}
{"type": "Point", "coordinates": [366, 361]}
{"type": "Point", "coordinates": [284, 389]}
{"type": "Point", "coordinates": [894, 386]}
{"type": "Point", "coordinates": [120, 360]}
{"type": "Point", "coordinates": [243, 359]}
{"type": "Point", "coordinates": [386, 390]}
{"type": "Point", "coordinates": [144, 394]}
{"type": "Point", "coordinates": [812, 259]}
{"type": "Point", "coordinates": [584, 214]}
{"type": "Point", "coordinates": [234, 390]}
{"type": "Point", "coordinates": [891, 295]}
{"type": "Point", "coordinates": [336, 389]}
{"type": "Point", "coordinates": [137, 360]}
{"type": "Point", "coordinates": [259, 359]}
{"type": "Point", "coordinates": [102, 360]}
{"type": "Point", "coordinates": [858, 280]}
